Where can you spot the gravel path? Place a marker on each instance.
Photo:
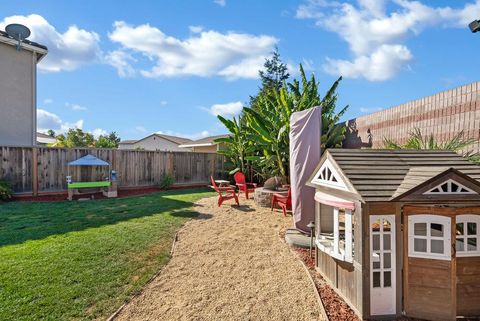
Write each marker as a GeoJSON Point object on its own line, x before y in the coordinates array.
{"type": "Point", "coordinates": [229, 264]}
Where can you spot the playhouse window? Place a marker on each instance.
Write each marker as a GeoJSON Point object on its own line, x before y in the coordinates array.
{"type": "Point", "coordinates": [328, 176]}
{"type": "Point", "coordinates": [335, 236]}
{"type": "Point", "coordinates": [468, 235]}
{"type": "Point", "coordinates": [429, 236]}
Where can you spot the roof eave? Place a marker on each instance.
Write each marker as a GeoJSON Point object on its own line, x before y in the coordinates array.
{"type": "Point", "coordinates": [40, 52]}
{"type": "Point", "coordinates": [432, 179]}
{"type": "Point", "coordinates": [197, 145]}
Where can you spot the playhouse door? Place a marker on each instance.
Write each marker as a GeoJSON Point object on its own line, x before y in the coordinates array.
{"type": "Point", "coordinates": [382, 265]}
{"type": "Point", "coordinates": [429, 263]}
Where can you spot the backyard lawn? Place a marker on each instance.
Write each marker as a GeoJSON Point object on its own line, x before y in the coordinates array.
{"type": "Point", "coordinates": [81, 260]}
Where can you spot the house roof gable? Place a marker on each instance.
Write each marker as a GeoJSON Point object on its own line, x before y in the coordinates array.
{"type": "Point", "coordinates": [174, 139]}
{"type": "Point", "coordinates": [206, 141]}
{"type": "Point", "coordinates": [419, 189]}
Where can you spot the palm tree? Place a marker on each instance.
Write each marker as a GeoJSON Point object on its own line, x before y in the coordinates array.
{"type": "Point", "coordinates": [417, 140]}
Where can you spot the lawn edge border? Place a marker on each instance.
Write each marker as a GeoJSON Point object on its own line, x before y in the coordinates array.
{"type": "Point", "coordinates": [323, 312]}
{"type": "Point", "coordinates": [140, 291]}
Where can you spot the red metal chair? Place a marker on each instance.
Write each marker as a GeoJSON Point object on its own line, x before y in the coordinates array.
{"type": "Point", "coordinates": [224, 193]}
{"type": "Point", "coordinates": [243, 186]}
{"type": "Point", "coordinates": [285, 202]}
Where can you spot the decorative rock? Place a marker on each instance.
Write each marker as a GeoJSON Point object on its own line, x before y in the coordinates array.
{"type": "Point", "coordinates": [263, 197]}
{"type": "Point", "coordinates": [273, 183]}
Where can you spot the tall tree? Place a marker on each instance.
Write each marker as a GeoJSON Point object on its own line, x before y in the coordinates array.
{"type": "Point", "coordinates": [108, 141]}
{"type": "Point", "coordinates": [273, 75]}
{"type": "Point", "coordinates": [75, 137]}
{"type": "Point", "coordinates": [275, 72]}
{"type": "Point", "coordinates": [51, 133]}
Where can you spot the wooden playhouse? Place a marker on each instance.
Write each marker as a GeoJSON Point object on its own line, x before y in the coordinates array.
{"type": "Point", "coordinates": [398, 232]}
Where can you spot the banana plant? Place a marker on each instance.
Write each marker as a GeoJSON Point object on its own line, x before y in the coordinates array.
{"type": "Point", "coordinates": [261, 136]}
{"type": "Point", "coordinates": [237, 146]}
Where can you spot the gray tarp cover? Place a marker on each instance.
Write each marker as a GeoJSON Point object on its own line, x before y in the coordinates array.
{"type": "Point", "coordinates": [305, 132]}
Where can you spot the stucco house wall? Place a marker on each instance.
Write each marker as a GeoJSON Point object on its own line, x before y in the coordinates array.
{"type": "Point", "coordinates": [154, 142]}
{"type": "Point", "coordinates": [18, 114]}
{"type": "Point", "coordinates": [158, 143]}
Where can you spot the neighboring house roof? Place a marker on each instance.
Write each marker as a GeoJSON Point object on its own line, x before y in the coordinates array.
{"type": "Point", "coordinates": [206, 141]}
{"type": "Point", "coordinates": [131, 141]}
{"type": "Point", "coordinates": [173, 139]}
{"type": "Point", "coordinates": [41, 50]}
{"type": "Point", "coordinates": [383, 174]}
{"type": "Point", "coordinates": [45, 139]}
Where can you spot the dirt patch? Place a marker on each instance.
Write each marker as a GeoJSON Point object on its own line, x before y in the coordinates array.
{"type": "Point", "coordinates": [230, 265]}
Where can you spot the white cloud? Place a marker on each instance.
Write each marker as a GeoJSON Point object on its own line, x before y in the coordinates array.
{"type": "Point", "coordinates": [75, 107]}
{"type": "Point", "coordinates": [99, 132]}
{"type": "Point", "coordinates": [221, 3]}
{"type": "Point", "coordinates": [67, 50]}
{"type": "Point", "coordinates": [376, 36]}
{"type": "Point", "coordinates": [163, 102]}
{"type": "Point", "coordinates": [121, 61]}
{"type": "Point", "coordinates": [194, 136]}
{"type": "Point", "coordinates": [47, 101]}
{"type": "Point", "coordinates": [47, 120]}
{"type": "Point", "coordinates": [208, 53]}
{"type": "Point", "coordinates": [226, 110]}
{"type": "Point", "coordinates": [382, 64]}
{"type": "Point", "coordinates": [196, 29]}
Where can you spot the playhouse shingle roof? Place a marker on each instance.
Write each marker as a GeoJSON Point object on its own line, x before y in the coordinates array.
{"type": "Point", "coordinates": [381, 174]}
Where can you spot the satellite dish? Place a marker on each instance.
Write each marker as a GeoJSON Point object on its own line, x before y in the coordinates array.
{"type": "Point", "coordinates": [18, 32]}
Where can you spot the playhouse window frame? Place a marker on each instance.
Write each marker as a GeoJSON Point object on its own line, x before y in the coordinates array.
{"type": "Point", "coordinates": [333, 247]}
{"type": "Point", "coordinates": [429, 220]}
{"type": "Point", "coordinates": [328, 176]}
{"type": "Point", "coordinates": [465, 236]}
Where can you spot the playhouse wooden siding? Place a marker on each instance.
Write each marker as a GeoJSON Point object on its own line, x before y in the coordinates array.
{"type": "Point", "coordinates": [346, 278]}
{"type": "Point", "coordinates": [468, 287]}
{"type": "Point", "coordinates": [38, 169]}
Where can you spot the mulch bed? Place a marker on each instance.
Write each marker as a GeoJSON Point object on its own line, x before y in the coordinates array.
{"type": "Point", "coordinates": [335, 307]}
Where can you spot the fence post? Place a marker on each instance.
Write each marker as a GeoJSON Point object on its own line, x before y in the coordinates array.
{"type": "Point", "coordinates": [34, 171]}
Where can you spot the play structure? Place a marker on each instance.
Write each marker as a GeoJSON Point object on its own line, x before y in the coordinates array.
{"type": "Point", "coordinates": [397, 232]}
{"type": "Point", "coordinates": [107, 186]}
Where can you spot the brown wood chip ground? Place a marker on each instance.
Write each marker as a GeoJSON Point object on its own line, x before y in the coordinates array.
{"type": "Point", "coordinates": [229, 264]}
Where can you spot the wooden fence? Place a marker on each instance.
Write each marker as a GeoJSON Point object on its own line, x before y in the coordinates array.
{"type": "Point", "coordinates": [43, 169]}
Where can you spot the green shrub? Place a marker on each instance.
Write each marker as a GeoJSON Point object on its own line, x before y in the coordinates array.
{"type": "Point", "coordinates": [5, 191]}
{"type": "Point", "coordinates": [167, 181]}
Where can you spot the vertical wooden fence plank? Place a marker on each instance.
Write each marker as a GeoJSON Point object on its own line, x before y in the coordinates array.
{"type": "Point", "coordinates": [34, 171]}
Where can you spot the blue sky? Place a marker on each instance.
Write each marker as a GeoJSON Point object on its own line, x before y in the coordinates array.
{"type": "Point", "coordinates": [138, 67]}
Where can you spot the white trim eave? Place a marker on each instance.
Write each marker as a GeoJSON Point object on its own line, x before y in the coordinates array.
{"type": "Point", "coordinates": [39, 51]}
{"type": "Point", "coordinates": [197, 145]}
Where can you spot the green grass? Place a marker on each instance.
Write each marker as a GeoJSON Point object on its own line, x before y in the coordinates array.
{"type": "Point", "coordinates": [81, 260]}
